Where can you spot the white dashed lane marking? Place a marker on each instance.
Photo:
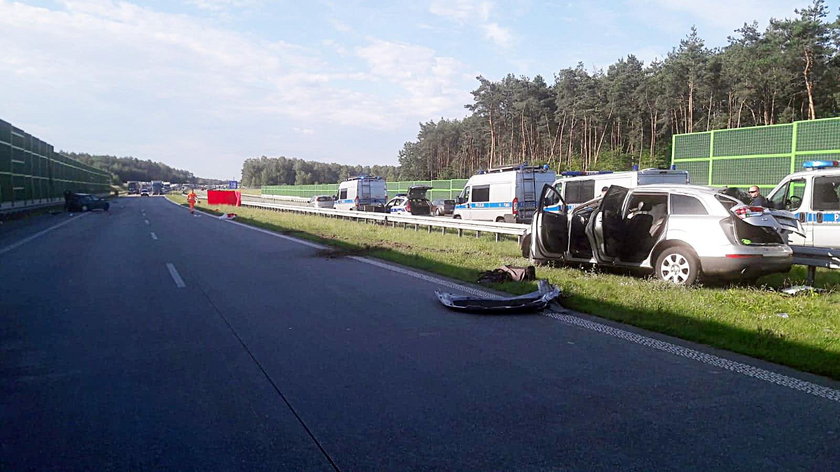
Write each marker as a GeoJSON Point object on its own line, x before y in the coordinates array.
{"type": "Point", "coordinates": [179, 282]}
{"type": "Point", "coordinates": [154, 236]}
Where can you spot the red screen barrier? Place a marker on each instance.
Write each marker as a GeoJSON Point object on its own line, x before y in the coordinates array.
{"type": "Point", "coordinates": [224, 197]}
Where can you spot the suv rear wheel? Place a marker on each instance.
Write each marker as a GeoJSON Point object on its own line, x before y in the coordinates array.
{"type": "Point", "coordinates": [678, 265]}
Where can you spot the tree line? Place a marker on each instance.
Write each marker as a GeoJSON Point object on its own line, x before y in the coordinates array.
{"type": "Point", "coordinates": [261, 171]}
{"type": "Point", "coordinates": [124, 169]}
{"type": "Point", "coordinates": [618, 117]}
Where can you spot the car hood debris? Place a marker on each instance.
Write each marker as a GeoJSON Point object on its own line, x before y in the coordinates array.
{"type": "Point", "coordinates": [533, 301]}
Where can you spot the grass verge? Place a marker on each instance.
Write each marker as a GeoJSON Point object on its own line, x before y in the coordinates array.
{"type": "Point", "coordinates": [799, 331]}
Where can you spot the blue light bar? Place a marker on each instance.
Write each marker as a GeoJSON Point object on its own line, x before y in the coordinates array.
{"type": "Point", "coordinates": [578, 173]}
{"type": "Point", "coordinates": [820, 164]}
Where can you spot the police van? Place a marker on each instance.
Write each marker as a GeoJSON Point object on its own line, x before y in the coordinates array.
{"type": "Point", "coordinates": [814, 196]}
{"type": "Point", "coordinates": [362, 193]}
{"type": "Point", "coordinates": [506, 194]}
{"type": "Point", "coordinates": [577, 187]}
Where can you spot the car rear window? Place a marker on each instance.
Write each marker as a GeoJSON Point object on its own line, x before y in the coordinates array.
{"type": "Point", "coordinates": [324, 199]}
{"type": "Point", "coordinates": [685, 205]}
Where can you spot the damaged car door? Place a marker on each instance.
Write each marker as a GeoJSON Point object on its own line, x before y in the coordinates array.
{"type": "Point", "coordinates": [550, 228]}
{"type": "Point", "coordinates": [606, 226]}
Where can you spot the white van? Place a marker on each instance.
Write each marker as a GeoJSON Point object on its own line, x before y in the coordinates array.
{"type": "Point", "coordinates": [503, 194]}
{"type": "Point", "coordinates": [362, 193]}
{"type": "Point", "coordinates": [814, 196]}
{"type": "Point", "coordinates": [578, 187]}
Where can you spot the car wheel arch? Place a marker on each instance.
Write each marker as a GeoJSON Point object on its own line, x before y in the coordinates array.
{"type": "Point", "coordinates": [690, 255]}
{"type": "Point", "coordinates": [662, 246]}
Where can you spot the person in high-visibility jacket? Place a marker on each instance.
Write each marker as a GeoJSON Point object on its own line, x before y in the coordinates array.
{"type": "Point", "coordinates": [191, 199]}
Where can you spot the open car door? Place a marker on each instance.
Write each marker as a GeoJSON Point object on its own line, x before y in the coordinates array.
{"type": "Point", "coordinates": [606, 227]}
{"type": "Point", "coordinates": [550, 227]}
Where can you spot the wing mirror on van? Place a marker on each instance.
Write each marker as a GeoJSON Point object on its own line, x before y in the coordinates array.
{"type": "Point", "coordinates": [460, 200]}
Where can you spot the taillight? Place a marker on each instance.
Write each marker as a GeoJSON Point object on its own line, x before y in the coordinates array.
{"type": "Point", "coordinates": [744, 212]}
{"type": "Point", "coordinates": [408, 207]}
{"type": "Point", "coordinates": [515, 205]}
{"type": "Point", "coordinates": [356, 201]}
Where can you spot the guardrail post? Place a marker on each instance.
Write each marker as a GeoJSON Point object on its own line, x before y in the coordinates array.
{"type": "Point", "coordinates": [812, 273]}
{"type": "Point", "coordinates": [498, 237]}
{"type": "Point", "coordinates": [460, 232]}
{"type": "Point", "coordinates": [478, 234]}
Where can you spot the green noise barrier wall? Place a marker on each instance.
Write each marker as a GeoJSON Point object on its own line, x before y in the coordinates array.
{"type": "Point", "coordinates": [760, 155]}
{"type": "Point", "coordinates": [33, 174]}
{"type": "Point", "coordinates": [440, 188]}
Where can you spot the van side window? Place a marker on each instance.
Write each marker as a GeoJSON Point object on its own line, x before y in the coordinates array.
{"type": "Point", "coordinates": [825, 193]}
{"type": "Point", "coordinates": [342, 194]}
{"type": "Point", "coordinates": [685, 205]}
{"type": "Point", "coordinates": [580, 191]}
{"type": "Point", "coordinates": [789, 196]}
{"type": "Point", "coordinates": [481, 194]}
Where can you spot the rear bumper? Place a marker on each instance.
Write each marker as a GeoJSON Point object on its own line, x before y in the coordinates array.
{"type": "Point", "coordinates": [737, 267]}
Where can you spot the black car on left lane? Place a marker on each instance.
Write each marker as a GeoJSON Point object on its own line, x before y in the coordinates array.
{"type": "Point", "coordinates": [85, 202]}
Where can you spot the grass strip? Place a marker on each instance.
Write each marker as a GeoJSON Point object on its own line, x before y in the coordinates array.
{"type": "Point", "coordinates": [798, 331]}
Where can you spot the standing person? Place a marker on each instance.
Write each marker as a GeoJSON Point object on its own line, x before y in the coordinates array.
{"type": "Point", "coordinates": [757, 199]}
{"type": "Point", "coordinates": [191, 199]}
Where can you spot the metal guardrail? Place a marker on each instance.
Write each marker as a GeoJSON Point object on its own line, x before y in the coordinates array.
{"type": "Point", "coordinates": [499, 229]}
{"type": "Point", "coordinates": [814, 257]}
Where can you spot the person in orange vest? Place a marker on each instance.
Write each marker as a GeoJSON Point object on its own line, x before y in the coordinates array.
{"type": "Point", "coordinates": [191, 199]}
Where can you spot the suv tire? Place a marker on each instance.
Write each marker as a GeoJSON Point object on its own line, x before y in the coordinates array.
{"type": "Point", "coordinates": [677, 265]}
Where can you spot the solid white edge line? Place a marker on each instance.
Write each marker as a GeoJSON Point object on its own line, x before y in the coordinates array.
{"type": "Point", "coordinates": [708, 359]}
{"type": "Point", "coordinates": [179, 282]}
{"type": "Point", "coordinates": [38, 234]}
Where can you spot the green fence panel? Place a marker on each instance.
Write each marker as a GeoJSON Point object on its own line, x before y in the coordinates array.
{"type": "Point", "coordinates": [30, 170]}
{"type": "Point", "coordinates": [760, 155]}
{"type": "Point", "coordinates": [445, 189]}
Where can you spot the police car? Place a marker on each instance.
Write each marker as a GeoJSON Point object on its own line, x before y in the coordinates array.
{"type": "Point", "coordinates": [813, 195]}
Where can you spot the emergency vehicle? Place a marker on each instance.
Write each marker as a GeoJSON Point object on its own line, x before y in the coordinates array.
{"type": "Point", "coordinates": [577, 187]}
{"type": "Point", "coordinates": [814, 196]}
{"type": "Point", "coordinates": [506, 194]}
{"type": "Point", "coordinates": [362, 193]}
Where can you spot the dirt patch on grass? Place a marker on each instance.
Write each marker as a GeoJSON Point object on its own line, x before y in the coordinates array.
{"type": "Point", "coordinates": [334, 253]}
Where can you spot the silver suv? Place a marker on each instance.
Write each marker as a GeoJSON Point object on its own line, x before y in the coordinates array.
{"type": "Point", "coordinates": [679, 231]}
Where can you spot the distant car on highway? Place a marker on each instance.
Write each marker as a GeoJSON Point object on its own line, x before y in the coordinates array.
{"type": "Point", "coordinates": [322, 201]}
{"type": "Point", "coordinates": [442, 207]}
{"type": "Point", "coordinates": [144, 192]}
{"type": "Point", "coordinates": [85, 202]}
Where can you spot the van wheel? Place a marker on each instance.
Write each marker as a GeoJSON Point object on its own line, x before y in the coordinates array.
{"type": "Point", "coordinates": [500, 219]}
{"type": "Point", "coordinates": [678, 265]}
{"type": "Point", "coordinates": [456, 217]}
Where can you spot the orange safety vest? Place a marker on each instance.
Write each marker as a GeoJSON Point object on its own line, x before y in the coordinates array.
{"type": "Point", "coordinates": [191, 197]}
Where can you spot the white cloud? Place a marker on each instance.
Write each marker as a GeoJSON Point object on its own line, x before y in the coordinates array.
{"type": "Point", "coordinates": [475, 13]}
{"type": "Point", "coordinates": [462, 11]}
{"type": "Point", "coordinates": [221, 5]}
{"type": "Point", "coordinates": [303, 130]}
{"type": "Point", "coordinates": [499, 35]}
{"type": "Point", "coordinates": [431, 83]}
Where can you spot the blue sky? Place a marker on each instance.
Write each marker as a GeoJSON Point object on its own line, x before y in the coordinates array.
{"type": "Point", "coordinates": [203, 85]}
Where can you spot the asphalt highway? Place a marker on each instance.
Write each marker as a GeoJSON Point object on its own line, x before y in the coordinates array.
{"type": "Point", "coordinates": [145, 338]}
